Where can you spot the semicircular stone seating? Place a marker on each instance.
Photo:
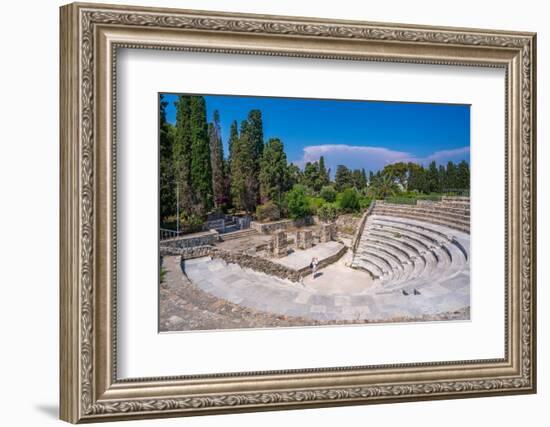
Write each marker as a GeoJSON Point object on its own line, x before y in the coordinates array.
{"type": "Point", "coordinates": [408, 248]}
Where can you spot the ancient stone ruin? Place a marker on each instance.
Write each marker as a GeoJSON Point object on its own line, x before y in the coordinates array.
{"type": "Point", "coordinates": [326, 233]}
{"type": "Point", "coordinates": [279, 245]}
{"type": "Point", "coordinates": [304, 239]}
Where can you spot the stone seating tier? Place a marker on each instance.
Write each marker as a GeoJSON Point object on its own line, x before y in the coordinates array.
{"type": "Point", "coordinates": [423, 210]}
{"type": "Point", "coordinates": [399, 252]}
{"type": "Point", "coordinates": [439, 219]}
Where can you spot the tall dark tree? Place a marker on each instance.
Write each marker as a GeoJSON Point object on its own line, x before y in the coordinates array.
{"type": "Point", "coordinates": [441, 175]}
{"type": "Point", "coordinates": [294, 176]}
{"type": "Point", "coordinates": [416, 178]}
{"type": "Point", "coordinates": [432, 177]}
{"type": "Point", "coordinates": [181, 150]}
{"type": "Point", "coordinates": [201, 166]}
{"type": "Point", "coordinates": [273, 171]}
{"type": "Point", "coordinates": [343, 178]}
{"type": "Point", "coordinates": [371, 177]}
{"type": "Point", "coordinates": [359, 179]}
{"type": "Point", "coordinates": [311, 176]}
{"type": "Point", "coordinates": [244, 180]}
{"type": "Point", "coordinates": [233, 138]}
{"type": "Point", "coordinates": [463, 175]}
{"type": "Point", "coordinates": [324, 174]}
{"type": "Point", "coordinates": [451, 177]}
{"type": "Point", "coordinates": [217, 162]}
{"type": "Point", "coordinates": [167, 182]}
{"type": "Point", "coordinates": [256, 141]}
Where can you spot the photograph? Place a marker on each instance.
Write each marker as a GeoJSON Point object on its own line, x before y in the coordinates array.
{"type": "Point", "coordinates": [290, 212]}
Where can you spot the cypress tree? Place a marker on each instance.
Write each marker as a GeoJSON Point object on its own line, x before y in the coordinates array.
{"type": "Point", "coordinates": [233, 137]}
{"type": "Point", "coordinates": [273, 171]}
{"type": "Point", "coordinates": [451, 177]}
{"type": "Point", "coordinates": [181, 151]}
{"type": "Point", "coordinates": [324, 178]}
{"type": "Point", "coordinates": [216, 158]}
{"type": "Point", "coordinates": [463, 175]}
{"type": "Point", "coordinates": [201, 167]}
{"type": "Point", "coordinates": [432, 177]}
{"type": "Point", "coordinates": [244, 183]}
{"type": "Point", "coordinates": [343, 178]}
{"type": "Point", "coordinates": [255, 137]}
{"type": "Point", "coordinates": [441, 177]}
{"type": "Point", "coordinates": [167, 184]}
{"type": "Point", "coordinates": [311, 176]}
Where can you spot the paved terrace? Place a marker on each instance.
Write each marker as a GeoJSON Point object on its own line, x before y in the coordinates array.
{"type": "Point", "coordinates": [302, 258]}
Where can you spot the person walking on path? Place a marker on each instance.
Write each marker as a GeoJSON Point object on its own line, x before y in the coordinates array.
{"type": "Point", "coordinates": [313, 266]}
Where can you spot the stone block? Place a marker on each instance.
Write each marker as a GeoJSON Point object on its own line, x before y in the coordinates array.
{"type": "Point", "coordinates": [279, 244]}
{"type": "Point", "coordinates": [327, 233]}
{"type": "Point", "coordinates": [304, 239]}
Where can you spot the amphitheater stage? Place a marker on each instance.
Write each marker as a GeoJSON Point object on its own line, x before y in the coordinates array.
{"type": "Point", "coordinates": [302, 258]}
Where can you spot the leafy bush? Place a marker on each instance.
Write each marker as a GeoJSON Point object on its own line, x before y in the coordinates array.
{"type": "Point", "coordinates": [364, 202]}
{"type": "Point", "coordinates": [401, 200]}
{"type": "Point", "coordinates": [348, 200]}
{"type": "Point", "coordinates": [432, 197]}
{"type": "Point", "coordinates": [268, 212]}
{"type": "Point", "coordinates": [328, 193]}
{"type": "Point", "coordinates": [328, 212]}
{"type": "Point", "coordinates": [297, 202]}
{"type": "Point", "coordinates": [314, 203]}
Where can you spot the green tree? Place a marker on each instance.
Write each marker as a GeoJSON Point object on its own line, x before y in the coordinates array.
{"type": "Point", "coordinates": [256, 141]}
{"type": "Point", "coordinates": [348, 200]}
{"type": "Point", "coordinates": [328, 193]}
{"type": "Point", "coordinates": [463, 175]}
{"type": "Point", "coordinates": [244, 182]}
{"type": "Point", "coordinates": [217, 162]}
{"type": "Point", "coordinates": [294, 176]}
{"type": "Point", "coordinates": [233, 138]}
{"type": "Point", "coordinates": [359, 178]}
{"type": "Point", "coordinates": [397, 172]}
{"type": "Point", "coordinates": [167, 180]}
{"type": "Point", "coordinates": [382, 186]}
{"type": "Point", "coordinates": [201, 167]}
{"type": "Point", "coordinates": [297, 202]}
{"type": "Point", "coordinates": [273, 171]}
{"type": "Point", "coordinates": [324, 178]}
{"type": "Point", "coordinates": [432, 177]}
{"type": "Point", "coordinates": [343, 178]}
{"type": "Point", "coordinates": [451, 181]}
{"type": "Point", "coordinates": [311, 176]}
{"type": "Point", "coordinates": [416, 178]}
{"type": "Point", "coordinates": [181, 153]}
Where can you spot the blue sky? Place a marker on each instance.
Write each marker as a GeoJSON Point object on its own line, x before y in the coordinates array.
{"type": "Point", "coordinates": [359, 134]}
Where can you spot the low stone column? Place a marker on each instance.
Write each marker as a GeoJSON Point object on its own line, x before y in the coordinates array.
{"type": "Point", "coordinates": [279, 244]}
{"type": "Point", "coordinates": [304, 239]}
{"type": "Point", "coordinates": [327, 233]}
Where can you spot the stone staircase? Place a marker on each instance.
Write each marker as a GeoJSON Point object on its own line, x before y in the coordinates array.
{"type": "Point", "coordinates": [238, 234]}
{"type": "Point", "coordinates": [404, 254]}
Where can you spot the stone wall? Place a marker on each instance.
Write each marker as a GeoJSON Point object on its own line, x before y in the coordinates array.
{"type": "Point", "coordinates": [192, 240]}
{"type": "Point", "coordinates": [361, 227]}
{"type": "Point", "coordinates": [256, 263]}
{"type": "Point", "coordinates": [271, 227]}
{"type": "Point", "coordinates": [283, 224]}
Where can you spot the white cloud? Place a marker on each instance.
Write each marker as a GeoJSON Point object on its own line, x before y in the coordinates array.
{"type": "Point", "coordinates": [373, 158]}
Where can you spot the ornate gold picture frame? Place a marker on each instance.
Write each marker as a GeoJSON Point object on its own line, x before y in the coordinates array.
{"type": "Point", "coordinates": [90, 36]}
